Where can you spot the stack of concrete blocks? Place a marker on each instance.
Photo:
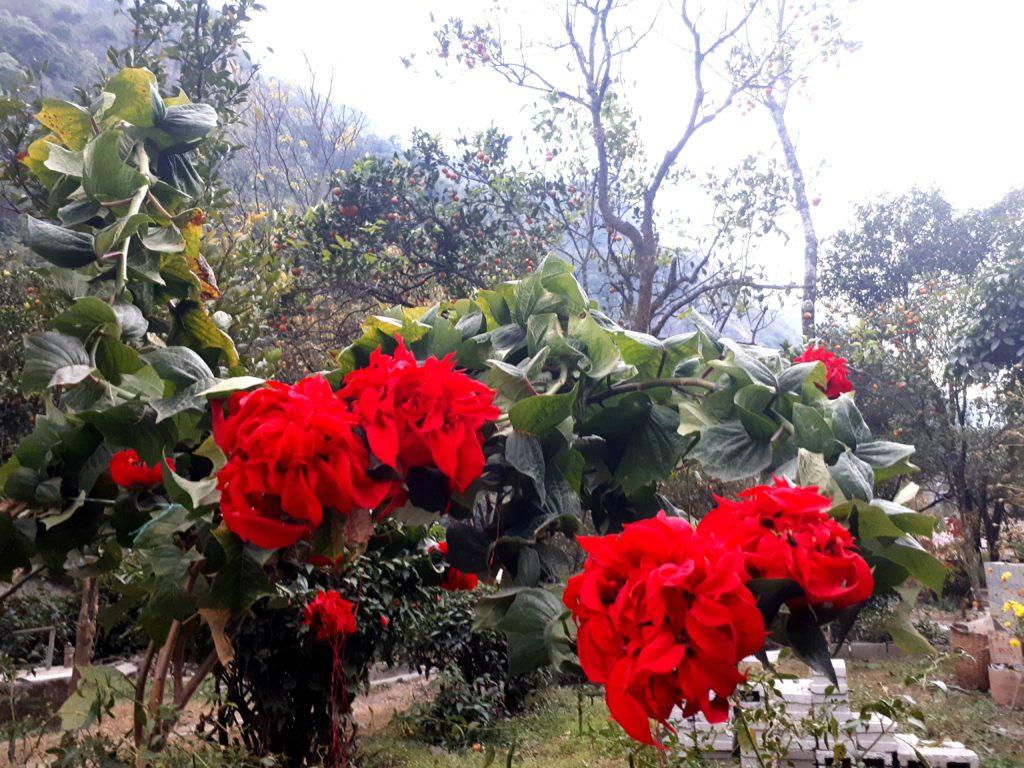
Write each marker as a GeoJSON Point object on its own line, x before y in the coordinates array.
{"type": "Point", "coordinates": [714, 741]}
{"type": "Point", "coordinates": [870, 742]}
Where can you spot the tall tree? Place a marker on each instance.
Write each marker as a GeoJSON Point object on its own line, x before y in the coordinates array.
{"type": "Point", "coordinates": [592, 42]}
{"type": "Point", "coordinates": [798, 38]}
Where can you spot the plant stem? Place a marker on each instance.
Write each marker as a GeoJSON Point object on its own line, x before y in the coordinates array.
{"type": "Point", "coordinates": [639, 386]}
{"type": "Point", "coordinates": [134, 205]}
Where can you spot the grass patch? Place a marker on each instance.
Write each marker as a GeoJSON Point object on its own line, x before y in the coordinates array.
{"type": "Point", "coordinates": [546, 735]}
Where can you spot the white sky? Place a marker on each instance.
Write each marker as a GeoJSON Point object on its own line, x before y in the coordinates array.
{"type": "Point", "coordinates": [930, 99]}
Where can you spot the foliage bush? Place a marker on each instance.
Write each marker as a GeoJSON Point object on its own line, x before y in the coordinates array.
{"type": "Point", "coordinates": [475, 689]}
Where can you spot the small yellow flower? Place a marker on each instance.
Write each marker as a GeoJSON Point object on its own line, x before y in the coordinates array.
{"type": "Point", "coordinates": [1006, 576]}
{"type": "Point", "coordinates": [1007, 623]}
{"type": "Point", "coordinates": [1014, 642]}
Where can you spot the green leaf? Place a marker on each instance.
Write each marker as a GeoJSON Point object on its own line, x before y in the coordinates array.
{"type": "Point", "coordinates": [109, 238]}
{"type": "Point", "coordinates": [812, 432]}
{"type": "Point", "coordinates": [917, 561]}
{"type": "Point", "coordinates": [751, 402]}
{"type": "Point", "coordinates": [237, 585]}
{"type": "Point", "coordinates": [181, 365]}
{"type": "Point", "coordinates": [793, 378]}
{"type": "Point", "coordinates": [97, 692]}
{"type": "Point", "coordinates": [887, 459]}
{"type": "Point", "coordinates": [847, 423]}
{"type": "Point", "coordinates": [64, 161]}
{"type": "Point", "coordinates": [62, 247]}
{"type": "Point", "coordinates": [600, 347]}
{"type": "Point", "coordinates": [53, 360]}
{"type": "Point", "coordinates": [525, 625]}
{"type": "Point", "coordinates": [540, 414]}
{"type": "Point", "coordinates": [191, 494]}
{"type": "Point", "coordinates": [228, 387]}
{"type": "Point", "coordinates": [133, 101]}
{"type": "Point", "coordinates": [811, 469]}
{"type": "Point", "coordinates": [86, 317]}
{"type": "Point", "coordinates": [107, 178]}
{"type": "Point", "coordinates": [853, 476]}
{"type": "Point", "coordinates": [526, 455]}
{"type": "Point", "coordinates": [187, 123]}
{"type": "Point", "coordinates": [728, 452]}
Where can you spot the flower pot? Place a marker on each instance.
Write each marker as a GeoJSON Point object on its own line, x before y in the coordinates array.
{"type": "Point", "coordinates": [1006, 686]}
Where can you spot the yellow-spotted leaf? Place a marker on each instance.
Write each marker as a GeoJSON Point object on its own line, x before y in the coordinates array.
{"type": "Point", "coordinates": [69, 122]}
{"type": "Point", "coordinates": [133, 90]}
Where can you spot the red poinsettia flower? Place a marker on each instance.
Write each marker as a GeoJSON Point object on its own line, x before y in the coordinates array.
{"type": "Point", "coordinates": [330, 615]}
{"type": "Point", "coordinates": [785, 532]}
{"type": "Point", "coordinates": [292, 452]}
{"type": "Point", "coordinates": [453, 579]}
{"type": "Point", "coordinates": [664, 617]}
{"type": "Point", "coordinates": [837, 381]}
{"type": "Point", "coordinates": [130, 471]}
{"type": "Point", "coordinates": [422, 415]}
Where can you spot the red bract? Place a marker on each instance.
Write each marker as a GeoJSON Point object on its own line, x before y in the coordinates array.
{"type": "Point", "coordinates": [837, 381]}
{"type": "Point", "coordinates": [422, 415]}
{"type": "Point", "coordinates": [129, 471]}
{"type": "Point", "coordinates": [292, 453]}
{"type": "Point", "coordinates": [785, 532]}
{"type": "Point", "coordinates": [664, 617]}
{"type": "Point", "coordinates": [330, 615]}
{"type": "Point", "coordinates": [453, 579]}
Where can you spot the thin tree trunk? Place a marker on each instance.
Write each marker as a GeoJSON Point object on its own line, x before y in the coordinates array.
{"type": "Point", "coordinates": [647, 267]}
{"type": "Point", "coordinates": [803, 208]}
{"type": "Point", "coordinates": [85, 628]}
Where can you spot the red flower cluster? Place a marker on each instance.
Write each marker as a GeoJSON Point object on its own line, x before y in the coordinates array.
{"type": "Point", "coordinates": [785, 532]}
{"type": "Point", "coordinates": [419, 416]}
{"type": "Point", "coordinates": [130, 471]}
{"type": "Point", "coordinates": [664, 616]}
{"type": "Point", "coordinates": [330, 615]}
{"type": "Point", "coordinates": [453, 579]}
{"type": "Point", "coordinates": [292, 452]}
{"type": "Point", "coordinates": [837, 381]}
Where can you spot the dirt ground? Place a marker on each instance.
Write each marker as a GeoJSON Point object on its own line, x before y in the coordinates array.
{"type": "Point", "coordinates": [372, 712]}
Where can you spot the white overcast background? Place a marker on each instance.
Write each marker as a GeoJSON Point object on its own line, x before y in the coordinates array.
{"type": "Point", "coordinates": [930, 99]}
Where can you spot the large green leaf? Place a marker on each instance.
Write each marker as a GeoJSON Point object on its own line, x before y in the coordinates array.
{"type": "Point", "coordinates": [62, 247]}
{"type": "Point", "coordinates": [847, 423]}
{"type": "Point", "coordinates": [812, 432]}
{"type": "Point", "coordinates": [525, 624]}
{"type": "Point", "coordinates": [52, 360]}
{"type": "Point", "coordinates": [86, 317]}
{"type": "Point", "coordinates": [237, 585]}
{"type": "Point", "coordinates": [107, 178]}
{"type": "Point", "coordinates": [917, 561]}
{"type": "Point", "coordinates": [751, 402]}
{"type": "Point", "coordinates": [526, 455]}
{"type": "Point", "coordinates": [887, 459]}
{"type": "Point", "coordinates": [187, 123]}
{"type": "Point", "coordinates": [728, 452]}
{"type": "Point", "coordinates": [539, 414]}
{"type": "Point", "coordinates": [600, 347]}
{"type": "Point", "coordinates": [853, 476]}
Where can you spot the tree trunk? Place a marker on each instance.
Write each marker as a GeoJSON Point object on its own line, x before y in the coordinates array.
{"type": "Point", "coordinates": [803, 208]}
{"type": "Point", "coordinates": [647, 269]}
{"type": "Point", "coordinates": [85, 628]}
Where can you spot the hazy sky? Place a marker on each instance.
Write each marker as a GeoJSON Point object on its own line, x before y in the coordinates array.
{"type": "Point", "coordinates": [931, 98]}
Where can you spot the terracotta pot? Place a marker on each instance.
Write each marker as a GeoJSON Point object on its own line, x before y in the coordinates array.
{"type": "Point", "coordinates": [1006, 686]}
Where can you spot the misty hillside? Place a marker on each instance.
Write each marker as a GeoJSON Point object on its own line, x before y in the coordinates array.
{"type": "Point", "coordinates": [66, 41]}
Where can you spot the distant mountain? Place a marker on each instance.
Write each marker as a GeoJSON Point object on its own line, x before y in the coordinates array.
{"type": "Point", "coordinates": [67, 39]}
